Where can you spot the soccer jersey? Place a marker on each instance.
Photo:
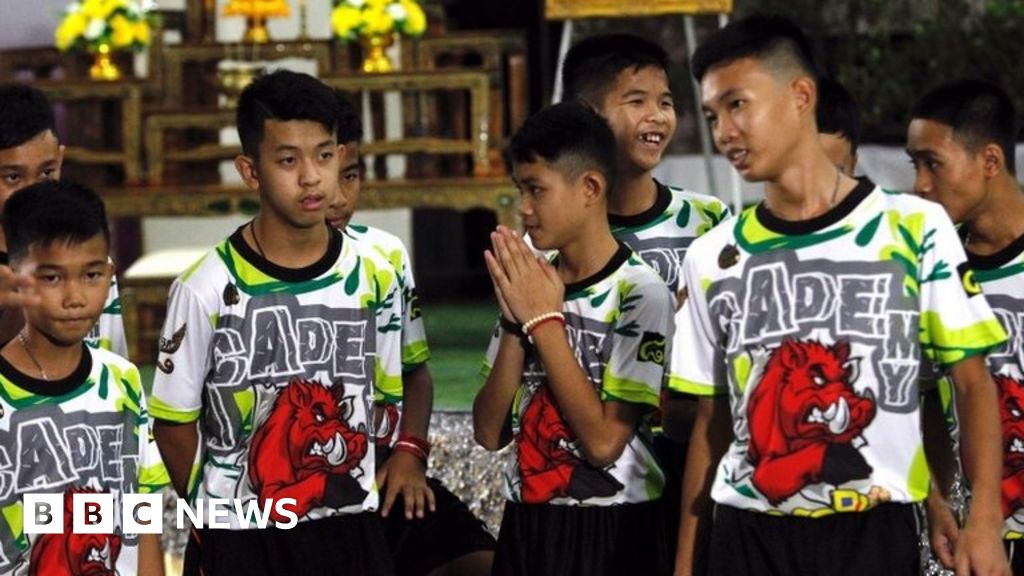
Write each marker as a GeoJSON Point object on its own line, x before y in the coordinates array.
{"type": "Point", "coordinates": [618, 322]}
{"type": "Point", "coordinates": [108, 333]}
{"type": "Point", "coordinates": [1001, 277]}
{"type": "Point", "coordinates": [89, 432]}
{"type": "Point", "coordinates": [662, 234]}
{"type": "Point", "coordinates": [815, 330]}
{"type": "Point", "coordinates": [282, 366]}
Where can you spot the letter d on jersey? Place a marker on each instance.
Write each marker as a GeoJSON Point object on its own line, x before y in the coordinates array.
{"type": "Point", "coordinates": [43, 513]}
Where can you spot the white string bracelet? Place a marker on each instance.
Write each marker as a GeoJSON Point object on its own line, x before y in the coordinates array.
{"type": "Point", "coordinates": [532, 323]}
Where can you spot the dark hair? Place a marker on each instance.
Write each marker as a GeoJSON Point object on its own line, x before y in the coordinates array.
{"type": "Point", "coordinates": [838, 113]}
{"type": "Point", "coordinates": [772, 39]}
{"type": "Point", "coordinates": [570, 135]}
{"type": "Point", "coordinates": [978, 112]}
{"type": "Point", "coordinates": [283, 95]}
{"type": "Point", "coordinates": [50, 211]}
{"type": "Point", "coordinates": [593, 64]}
{"type": "Point", "coordinates": [24, 114]}
{"type": "Point", "coordinates": [350, 127]}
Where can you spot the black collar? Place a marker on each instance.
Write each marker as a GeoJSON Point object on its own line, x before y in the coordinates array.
{"type": "Point", "coordinates": [314, 270]}
{"type": "Point", "coordinates": [835, 214]}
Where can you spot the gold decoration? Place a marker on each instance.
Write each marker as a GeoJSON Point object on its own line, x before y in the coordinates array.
{"type": "Point", "coordinates": [375, 60]}
{"type": "Point", "coordinates": [574, 9]}
{"type": "Point", "coordinates": [256, 13]}
{"type": "Point", "coordinates": [103, 67]}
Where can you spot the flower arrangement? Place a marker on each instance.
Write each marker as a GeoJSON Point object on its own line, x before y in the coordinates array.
{"type": "Point", "coordinates": [354, 18]}
{"type": "Point", "coordinates": [116, 24]}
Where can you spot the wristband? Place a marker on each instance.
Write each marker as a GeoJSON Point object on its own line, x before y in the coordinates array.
{"type": "Point", "coordinates": [410, 448]}
{"type": "Point", "coordinates": [416, 441]}
{"type": "Point", "coordinates": [509, 326]}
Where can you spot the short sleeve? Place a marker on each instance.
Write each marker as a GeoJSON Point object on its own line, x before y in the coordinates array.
{"type": "Point", "coordinates": [414, 335]}
{"type": "Point", "coordinates": [641, 336]}
{"type": "Point", "coordinates": [492, 351]}
{"type": "Point", "coordinates": [956, 321]}
{"type": "Point", "coordinates": [388, 363]}
{"type": "Point", "coordinates": [183, 356]}
{"type": "Point", "coordinates": [153, 475]}
{"type": "Point", "coordinates": [691, 365]}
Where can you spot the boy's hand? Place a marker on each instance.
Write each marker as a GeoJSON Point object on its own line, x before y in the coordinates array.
{"type": "Point", "coordinates": [17, 289]}
{"type": "Point", "coordinates": [405, 475]}
{"type": "Point", "coordinates": [527, 284]}
{"type": "Point", "coordinates": [979, 552]}
{"type": "Point", "coordinates": [943, 531]}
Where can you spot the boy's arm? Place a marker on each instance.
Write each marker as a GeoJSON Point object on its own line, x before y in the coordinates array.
{"type": "Point", "coordinates": [980, 548]}
{"type": "Point", "coordinates": [403, 473]}
{"type": "Point", "coordinates": [151, 557]}
{"type": "Point", "coordinates": [178, 444]}
{"type": "Point", "coordinates": [942, 525]}
{"type": "Point", "coordinates": [493, 404]}
{"type": "Point", "coordinates": [712, 434]}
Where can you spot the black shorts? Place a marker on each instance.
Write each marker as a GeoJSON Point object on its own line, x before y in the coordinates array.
{"type": "Point", "coordinates": [547, 539]}
{"type": "Point", "coordinates": [421, 545]}
{"type": "Point", "coordinates": [672, 459]}
{"type": "Point", "coordinates": [350, 545]}
{"type": "Point", "coordinates": [880, 541]}
{"type": "Point", "coordinates": [1015, 552]}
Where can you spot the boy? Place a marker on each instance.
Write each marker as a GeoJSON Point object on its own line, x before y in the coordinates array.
{"type": "Point", "coordinates": [445, 537]}
{"type": "Point", "coordinates": [803, 332]}
{"type": "Point", "coordinates": [30, 153]}
{"type": "Point", "coordinates": [625, 79]}
{"type": "Point", "coordinates": [961, 140]}
{"type": "Point", "coordinates": [280, 339]}
{"type": "Point", "coordinates": [838, 117]}
{"type": "Point", "coordinates": [74, 416]}
{"type": "Point", "coordinates": [575, 367]}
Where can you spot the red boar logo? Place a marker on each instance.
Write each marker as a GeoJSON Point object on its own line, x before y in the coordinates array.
{"type": "Point", "coordinates": [70, 554]}
{"type": "Point", "coordinates": [804, 416]}
{"type": "Point", "coordinates": [1011, 413]}
{"type": "Point", "coordinates": [307, 451]}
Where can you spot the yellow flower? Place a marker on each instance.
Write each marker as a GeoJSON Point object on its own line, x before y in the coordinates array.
{"type": "Point", "coordinates": [122, 31]}
{"type": "Point", "coordinates": [142, 32]}
{"type": "Point", "coordinates": [378, 21]}
{"type": "Point", "coordinates": [100, 9]}
{"type": "Point", "coordinates": [416, 20]}
{"type": "Point", "coordinates": [345, 21]}
{"type": "Point", "coordinates": [70, 30]}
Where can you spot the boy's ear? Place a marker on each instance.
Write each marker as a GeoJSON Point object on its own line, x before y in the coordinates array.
{"type": "Point", "coordinates": [594, 185]}
{"type": "Point", "coordinates": [805, 93]}
{"type": "Point", "coordinates": [246, 167]}
{"type": "Point", "coordinates": [994, 161]}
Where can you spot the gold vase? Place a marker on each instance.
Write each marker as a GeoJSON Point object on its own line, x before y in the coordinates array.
{"type": "Point", "coordinates": [375, 60]}
{"type": "Point", "coordinates": [103, 67]}
{"type": "Point", "coordinates": [256, 30]}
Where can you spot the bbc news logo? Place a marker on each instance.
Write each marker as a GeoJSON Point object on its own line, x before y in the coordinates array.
{"type": "Point", "coordinates": [96, 513]}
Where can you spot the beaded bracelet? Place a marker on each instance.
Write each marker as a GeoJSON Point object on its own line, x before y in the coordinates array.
{"type": "Point", "coordinates": [530, 324]}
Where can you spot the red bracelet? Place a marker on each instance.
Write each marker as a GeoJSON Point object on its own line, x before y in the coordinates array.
{"type": "Point", "coordinates": [534, 327]}
{"type": "Point", "coordinates": [410, 448]}
{"type": "Point", "coordinates": [416, 441]}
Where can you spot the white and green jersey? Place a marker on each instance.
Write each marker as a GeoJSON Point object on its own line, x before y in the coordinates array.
{"type": "Point", "coordinates": [662, 234]}
{"type": "Point", "coordinates": [89, 432]}
{"type": "Point", "coordinates": [282, 366]}
{"type": "Point", "coordinates": [108, 333]}
{"type": "Point", "coordinates": [618, 323]}
{"type": "Point", "coordinates": [816, 331]}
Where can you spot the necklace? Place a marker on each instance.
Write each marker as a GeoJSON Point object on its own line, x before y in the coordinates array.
{"type": "Point", "coordinates": [835, 190]}
{"type": "Point", "coordinates": [31, 356]}
{"type": "Point", "coordinates": [255, 239]}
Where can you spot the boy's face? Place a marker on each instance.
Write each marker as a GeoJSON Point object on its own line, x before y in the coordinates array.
{"type": "Point", "coordinates": [36, 160]}
{"type": "Point", "coordinates": [72, 281]}
{"type": "Point", "coordinates": [945, 171]}
{"type": "Point", "coordinates": [340, 210]}
{"type": "Point", "coordinates": [839, 151]}
{"type": "Point", "coordinates": [296, 172]}
{"type": "Point", "coordinates": [551, 205]}
{"type": "Point", "coordinates": [754, 117]}
{"type": "Point", "coordinates": [640, 110]}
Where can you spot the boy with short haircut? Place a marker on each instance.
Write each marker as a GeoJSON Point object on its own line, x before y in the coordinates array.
{"type": "Point", "coordinates": [74, 417]}
{"type": "Point", "coordinates": [30, 153]}
{"type": "Point", "coordinates": [961, 140]}
{"type": "Point", "coordinates": [436, 534]}
{"type": "Point", "coordinates": [625, 78]}
{"type": "Point", "coordinates": [280, 339]}
{"type": "Point", "coordinates": [838, 116]}
{"type": "Point", "coordinates": [805, 324]}
{"type": "Point", "coordinates": [575, 367]}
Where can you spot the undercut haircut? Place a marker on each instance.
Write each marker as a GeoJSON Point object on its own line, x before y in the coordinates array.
{"type": "Point", "coordinates": [25, 113]}
{"type": "Point", "coordinates": [593, 64]}
{"type": "Point", "coordinates": [283, 95]}
{"type": "Point", "coordinates": [350, 127]}
{"type": "Point", "coordinates": [52, 211]}
{"type": "Point", "coordinates": [838, 112]}
{"type": "Point", "coordinates": [775, 41]}
{"type": "Point", "coordinates": [979, 113]}
{"type": "Point", "coordinates": [570, 136]}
